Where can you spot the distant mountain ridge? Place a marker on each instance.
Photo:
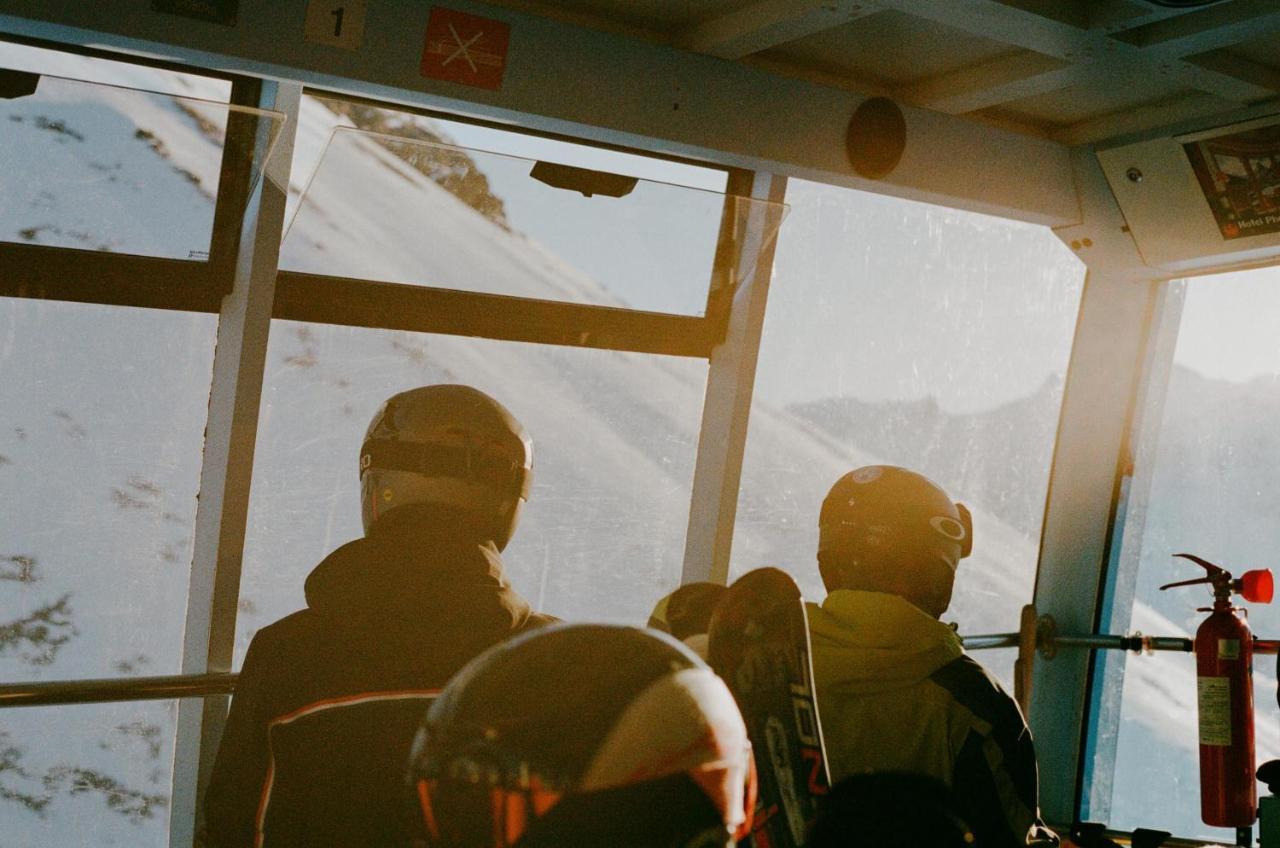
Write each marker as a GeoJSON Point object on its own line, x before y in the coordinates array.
{"type": "Point", "coordinates": [922, 436]}
{"type": "Point", "coordinates": [1212, 490]}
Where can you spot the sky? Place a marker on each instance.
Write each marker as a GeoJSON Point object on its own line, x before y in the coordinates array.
{"type": "Point", "coordinates": [1231, 325]}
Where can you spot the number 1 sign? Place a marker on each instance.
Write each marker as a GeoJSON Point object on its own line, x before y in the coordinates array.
{"type": "Point", "coordinates": [338, 23]}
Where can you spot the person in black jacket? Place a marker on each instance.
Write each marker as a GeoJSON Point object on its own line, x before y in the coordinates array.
{"type": "Point", "coordinates": [323, 716]}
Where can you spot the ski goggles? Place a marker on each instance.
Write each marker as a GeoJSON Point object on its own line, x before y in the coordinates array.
{"type": "Point", "coordinates": [488, 464]}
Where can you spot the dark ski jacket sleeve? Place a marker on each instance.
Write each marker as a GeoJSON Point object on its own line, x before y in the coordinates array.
{"type": "Point", "coordinates": [995, 778]}
{"type": "Point", "coordinates": [239, 771]}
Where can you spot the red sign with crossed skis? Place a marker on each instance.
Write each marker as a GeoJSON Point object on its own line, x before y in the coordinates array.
{"type": "Point", "coordinates": [465, 49]}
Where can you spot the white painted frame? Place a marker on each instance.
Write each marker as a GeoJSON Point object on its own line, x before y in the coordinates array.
{"type": "Point", "coordinates": [226, 469]}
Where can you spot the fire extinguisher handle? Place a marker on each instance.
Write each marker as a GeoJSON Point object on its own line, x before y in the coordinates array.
{"type": "Point", "coordinates": [1212, 570]}
{"type": "Point", "coordinates": [1193, 582]}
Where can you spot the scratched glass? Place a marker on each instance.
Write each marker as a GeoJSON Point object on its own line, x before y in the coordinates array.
{"type": "Point", "coordinates": [104, 167]}
{"type": "Point", "coordinates": [903, 333]}
{"type": "Point", "coordinates": [614, 441]}
{"type": "Point", "coordinates": [1204, 483]}
{"type": "Point", "coordinates": [390, 200]}
{"type": "Point", "coordinates": [87, 775]}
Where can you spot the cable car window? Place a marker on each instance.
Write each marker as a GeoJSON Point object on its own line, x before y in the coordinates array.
{"type": "Point", "coordinates": [107, 781]}
{"type": "Point", "coordinates": [614, 439]}
{"type": "Point", "coordinates": [909, 334]}
{"type": "Point", "coordinates": [100, 166]}
{"type": "Point", "coordinates": [376, 187]}
{"type": "Point", "coordinates": [24, 57]}
{"type": "Point", "coordinates": [102, 417]}
{"type": "Point", "coordinates": [1204, 484]}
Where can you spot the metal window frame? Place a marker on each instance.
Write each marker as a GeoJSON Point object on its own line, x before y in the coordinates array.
{"type": "Point", "coordinates": [726, 409]}
{"type": "Point", "coordinates": [247, 252]}
{"type": "Point", "coordinates": [1120, 576]}
{"type": "Point", "coordinates": [84, 276]}
{"type": "Point", "coordinates": [1110, 356]}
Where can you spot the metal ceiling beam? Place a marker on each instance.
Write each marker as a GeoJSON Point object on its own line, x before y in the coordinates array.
{"type": "Point", "coordinates": [767, 23]}
{"type": "Point", "coordinates": [1142, 118]}
{"type": "Point", "coordinates": [1208, 29]}
{"type": "Point", "coordinates": [1055, 39]}
{"type": "Point", "coordinates": [1222, 62]}
{"type": "Point", "coordinates": [1001, 80]}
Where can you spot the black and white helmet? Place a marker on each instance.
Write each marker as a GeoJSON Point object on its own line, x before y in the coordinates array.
{"type": "Point", "coordinates": [878, 509]}
{"type": "Point", "coordinates": [583, 735]}
{"type": "Point", "coordinates": [448, 446]}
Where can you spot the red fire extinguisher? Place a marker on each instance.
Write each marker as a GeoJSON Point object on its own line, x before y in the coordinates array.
{"type": "Point", "coordinates": [1224, 696]}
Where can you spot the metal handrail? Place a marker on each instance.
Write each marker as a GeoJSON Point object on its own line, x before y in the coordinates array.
{"type": "Point", "coordinates": [988, 641]}
{"type": "Point", "coordinates": [102, 690]}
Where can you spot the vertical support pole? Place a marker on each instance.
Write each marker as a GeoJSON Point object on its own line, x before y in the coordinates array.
{"type": "Point", "coordinates": [1106, 362]}
{"type": "Point", "coordinates": [230, 435]}
{"type": "Point", "coordinates": [1113, 333]}
{"type": "Point", "coordinates": [1123, 554]}
{"type": "Point", "coordinates": [727, 406]}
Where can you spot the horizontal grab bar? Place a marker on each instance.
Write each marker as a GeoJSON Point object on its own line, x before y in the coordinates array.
{"type": "Point", "coordinates": [47, 693]}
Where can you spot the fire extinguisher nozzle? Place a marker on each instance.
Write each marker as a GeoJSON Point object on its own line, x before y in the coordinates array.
{"type": "Point", "coordinates": [1257, 586]}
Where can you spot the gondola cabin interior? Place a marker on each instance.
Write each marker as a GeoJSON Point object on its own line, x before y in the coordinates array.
{"type": "Point", "coordinates": [714, 254]}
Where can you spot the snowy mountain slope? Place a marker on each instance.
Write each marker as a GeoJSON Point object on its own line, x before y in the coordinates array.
{"type": "Point", "coordinates": [365, 215]}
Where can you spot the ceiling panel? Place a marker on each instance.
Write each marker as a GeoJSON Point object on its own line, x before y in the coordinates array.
{"type": "Point", "coordinates": [1089, 100]}
{"type": "Point", "coordinates": [889, 48]}
{"type": "Point", "coordinates": [1264, 51]}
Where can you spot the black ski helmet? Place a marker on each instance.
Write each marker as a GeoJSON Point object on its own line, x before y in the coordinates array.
{"type": "Point", "coordinates": [450, 446]}
{"type": "Point", "coordinates": [884, 513]}
{"type": "Point", "coordinates": [583, 735]}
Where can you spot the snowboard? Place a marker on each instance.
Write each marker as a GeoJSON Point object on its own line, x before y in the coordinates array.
{"type": "Point", "coordinates": [759, 645]}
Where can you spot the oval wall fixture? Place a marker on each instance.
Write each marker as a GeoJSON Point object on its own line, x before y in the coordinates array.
{"type": "Point", "coordinates": [876, 137]}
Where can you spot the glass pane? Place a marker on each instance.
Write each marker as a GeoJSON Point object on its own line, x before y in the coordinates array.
{"type": "Point", "coordinates": [1207, 487]}
{"type": "Point", "coordinates": [102, 416]}
{"type": "Point", "coordinates": [87, 775]}
{"type": "Point", "coordinates": [403, 210]}
{"type": "Point", "coordinates": [104, 168]}
{"type": "Point", "coordinates": [913, 335]}
{"type": "Point", "coordinates": [615, 434]}
{"type": "Point", "coordinates": [24, 57]}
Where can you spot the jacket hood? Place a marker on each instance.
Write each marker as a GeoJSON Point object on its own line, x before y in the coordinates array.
{"type": "Point", "coordinates": [418, 576]}
{"type": "Point", "coordinates": [872, 642]}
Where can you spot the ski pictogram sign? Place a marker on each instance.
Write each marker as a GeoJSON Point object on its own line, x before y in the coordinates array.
{"type": "Point", "coordinates": [465, 49]}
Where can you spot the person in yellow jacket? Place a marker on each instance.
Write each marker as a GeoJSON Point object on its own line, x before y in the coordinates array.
{"type": "Point", "coordinates": [896, 691]}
